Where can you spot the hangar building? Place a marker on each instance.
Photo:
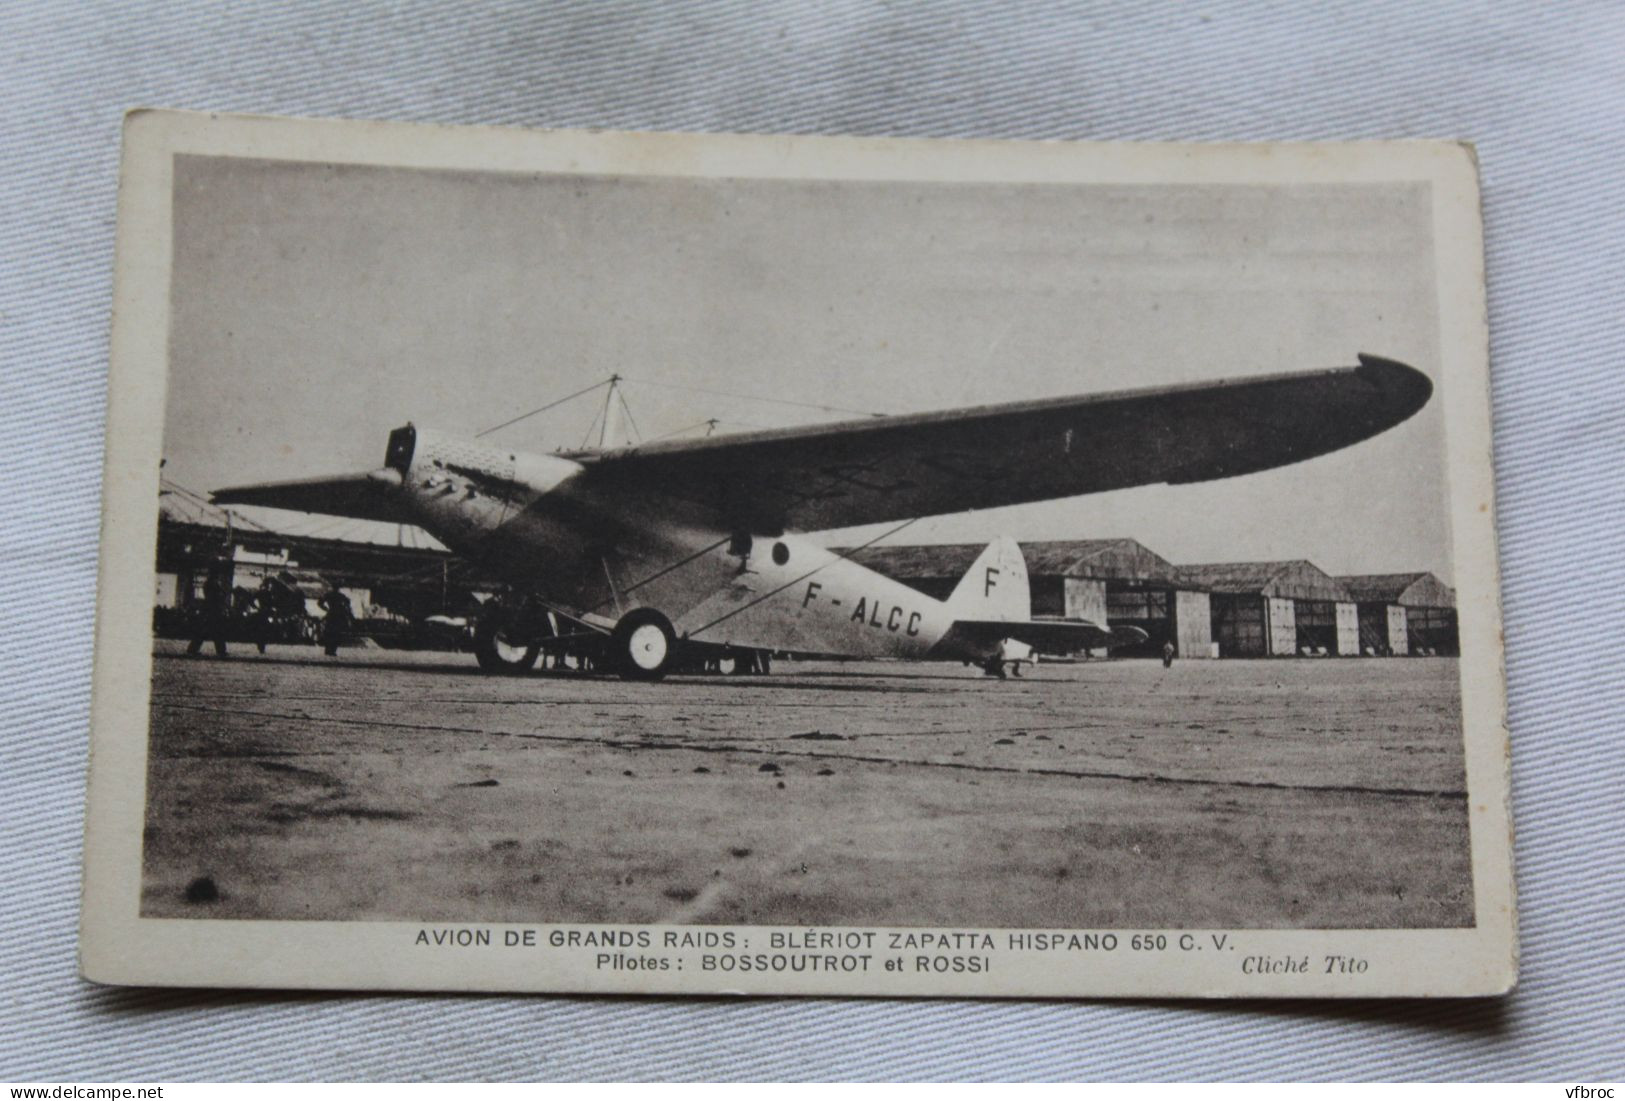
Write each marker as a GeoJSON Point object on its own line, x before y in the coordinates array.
{"type": "Point", "coordinates": [1404, 613]}
{"type": "Point", "coordinates": [409, 581]}
{"type": "Point", "coordinates": [1277, 609]}
{"type": "Point", "coordinates": [1114, 581]}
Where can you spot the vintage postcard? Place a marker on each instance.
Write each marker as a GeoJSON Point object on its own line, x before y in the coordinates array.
{"type": "Point", "coordinates": [653, 563]}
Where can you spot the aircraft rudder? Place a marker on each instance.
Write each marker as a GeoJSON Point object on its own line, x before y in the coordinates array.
{"type": "Point", "coordinates": [995, 587]}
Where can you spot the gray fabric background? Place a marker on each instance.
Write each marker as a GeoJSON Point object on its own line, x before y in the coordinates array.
{"type": "Point", "coordinates": [1540, 89]}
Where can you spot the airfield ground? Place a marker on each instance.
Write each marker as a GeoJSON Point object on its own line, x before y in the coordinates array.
{"type": "Point", "coordinates": [381, 785]}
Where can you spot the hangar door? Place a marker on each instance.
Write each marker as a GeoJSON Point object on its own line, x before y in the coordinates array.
{"type": "Point", "coordinates": [1147, 609]}
{"type": "Point", "coordinates": [1373, 629]}
{"type": "Point", "coordinates": [1432, 630]}
{"type": "Point", "coordinates": [1398, 636]}
{"type": "Point", "coordinates": [1238, 624]}
{"type": "Point", "coordinates": [1084, 599]}
{"type": "Point", "coordinates": [1193, 625]}
{"type": "Point", "coordinates": [1283, 626]}
{"type": "Point", "coordinates": [1316, 622]}
{"type": "Point", "coordinates": [1348, 630]}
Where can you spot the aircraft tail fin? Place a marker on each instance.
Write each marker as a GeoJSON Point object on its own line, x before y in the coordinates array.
{"type": "Point", "coordinates": [995, 587]}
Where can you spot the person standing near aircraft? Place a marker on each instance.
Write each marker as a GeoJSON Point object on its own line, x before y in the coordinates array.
{"type": "Point", "coordinates": [262, 610]}
{"type": "Point", "coordinates": [1168, 654]}
{"type": "Point", "coordinates": [336, 627]}
{"type": "Point", "coordinates": [214, 616]}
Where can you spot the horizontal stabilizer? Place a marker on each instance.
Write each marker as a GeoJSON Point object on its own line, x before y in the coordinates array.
{"type": "Point", "coordinates": [1052, 636]}
{"type": "Point", "coordinates": [369, 496]}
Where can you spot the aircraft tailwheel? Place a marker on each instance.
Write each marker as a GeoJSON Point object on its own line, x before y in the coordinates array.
{"type": "Point", "coordinates": [644, 644]}
{"type": "Point", "coordinates": [501, 650]}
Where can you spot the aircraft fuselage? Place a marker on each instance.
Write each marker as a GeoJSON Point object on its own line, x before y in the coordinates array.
{"type": "Point", "coordinates": [523, 517]}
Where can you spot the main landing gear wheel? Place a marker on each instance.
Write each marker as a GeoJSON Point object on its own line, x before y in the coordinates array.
{"type": "Point", "coordinates": [499, 650]}
{"type": "Point", "coordinates": [643, 644]}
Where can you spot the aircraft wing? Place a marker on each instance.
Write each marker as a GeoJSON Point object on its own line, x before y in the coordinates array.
{"type": "Point", "coordinates": [362, 496]}
{"type": "Point", "coordinates": [894, 468]}
{"type": "Point", "coordinates": [1050, 636]}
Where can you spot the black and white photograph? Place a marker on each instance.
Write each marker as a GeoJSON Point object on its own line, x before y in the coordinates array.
{"type": "Point", "coordinates": [649, 563]}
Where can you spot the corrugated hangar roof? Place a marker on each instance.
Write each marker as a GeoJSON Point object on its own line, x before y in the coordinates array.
{"type": "Point", "coordinates": [1298, 579]}
{"type": "Point", "coordinates": [1108, 559]}
{"type": "Point", "coordinates": [185, 510]}
{"type": "Point", "coordinates": [1102, 559]}
{"type": "Point", "coordinates": [1413, 590]}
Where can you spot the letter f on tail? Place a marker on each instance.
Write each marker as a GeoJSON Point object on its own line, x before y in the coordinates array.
{"type": "Point", "coordinates": [995, 587]}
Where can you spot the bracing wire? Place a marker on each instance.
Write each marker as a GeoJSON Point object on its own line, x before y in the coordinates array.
{"type": "Point", "coordinates": [754, 397]}
{"type": "Point", "coordinates": [544, 408]}
{"type": "Point", "coordinates": [627, 409]}
{"type": "Point", "coordinates": [587, 439]}
{"type": "Point", "coordinates": [609, 403]}
{"type": "Point", "coordinates": [840, 556]}
{"type": "Point", "coordinates": [345, 525]}
{"type": "Point", "coordinates": [680, 431]}
{"type": "Point", "coordinates": [616, 395]}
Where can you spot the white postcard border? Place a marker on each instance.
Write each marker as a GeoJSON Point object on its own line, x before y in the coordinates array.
{"type": "Point", "coordinates": [119, 946]}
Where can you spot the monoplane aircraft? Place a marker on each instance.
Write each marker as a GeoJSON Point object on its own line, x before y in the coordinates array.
{"type": "Point", "coordinates": [644, 557]}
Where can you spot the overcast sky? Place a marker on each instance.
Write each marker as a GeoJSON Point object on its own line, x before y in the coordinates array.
{"type": "Point", "coordinates": [316, 307]}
